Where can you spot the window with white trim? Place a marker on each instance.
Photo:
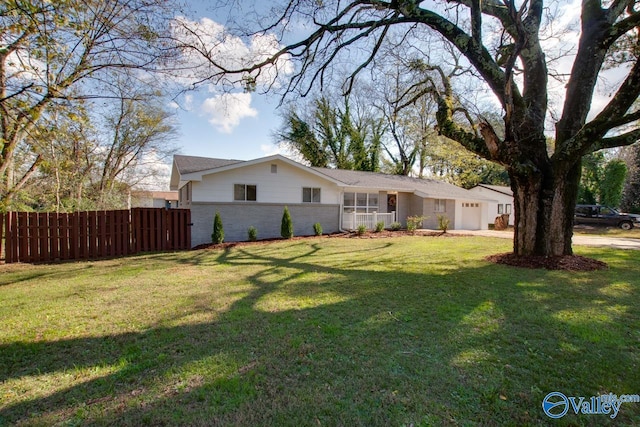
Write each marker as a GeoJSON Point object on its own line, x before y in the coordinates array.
{"type": "Point", "coordinates": [504, 208]}
{"type": "Point", "coordinates": [244, 193]}
{"type": "Point", "coordinates": [440, 205]}
{"type": "Point", "coordinates": [360, 202]}
{"type": "Point", "coordinates": [310, 195]}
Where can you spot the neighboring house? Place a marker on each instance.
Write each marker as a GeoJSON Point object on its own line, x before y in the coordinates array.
{"type": "Point", "coordinates": [153, 199]}
{"type": "Point", "coordinates": [255, 192]}
{"type": "Point", "coordinates": [502, 205]}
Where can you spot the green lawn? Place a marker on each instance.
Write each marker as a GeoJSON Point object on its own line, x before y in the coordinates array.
{"type": "Point", "coordinates": [608, 231]}
{"type": "Point", "coordinates": [373, 332]}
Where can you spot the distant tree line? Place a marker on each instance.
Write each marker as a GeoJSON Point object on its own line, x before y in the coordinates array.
{"type": "Point", "coordinates": [79, 125]}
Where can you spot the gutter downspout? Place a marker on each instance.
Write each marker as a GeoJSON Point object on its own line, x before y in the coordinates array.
{"type": "Point", "coordinates": [341, 212]}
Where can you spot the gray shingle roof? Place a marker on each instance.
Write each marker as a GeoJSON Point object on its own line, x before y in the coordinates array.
{"type": "Point", "coordinates": [190, 164]}
{"type": "Point", "coordinates": [430, 187]}
{"type": "Point", "coordinates": [372, 180]}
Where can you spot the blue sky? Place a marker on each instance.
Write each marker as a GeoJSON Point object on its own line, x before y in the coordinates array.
{"type": "Point", "coordinates": [250, 138]}
{"type": "Point", "coordinates": [213, 124]}
{"type": "Point", "coordinates": [240, 128]}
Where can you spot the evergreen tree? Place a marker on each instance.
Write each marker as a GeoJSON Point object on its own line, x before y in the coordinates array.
{"type": "Point", "coordinates": [286, 228]}
{"type": "Point", "coordinates": [591, 177]}
{"type": "Point", "coordinates": [631, 194]}
{"type": "Point", "coordinates": [612, 184]}
{"type": "Point", "coordinates": [218, 232]}
{"type": "Point", "coordinates": [333, 137]}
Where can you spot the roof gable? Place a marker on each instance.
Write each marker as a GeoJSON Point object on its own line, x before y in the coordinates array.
{"type": "Point", "coordinates": [192, 168]}
{"type": "Point", "coordinates": [497, 188]}
{"type": "Point", "coordinates": [190, 164]}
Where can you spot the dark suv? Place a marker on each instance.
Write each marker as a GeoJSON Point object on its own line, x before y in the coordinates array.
{"type": "Point", "coordinates": [604, 215]}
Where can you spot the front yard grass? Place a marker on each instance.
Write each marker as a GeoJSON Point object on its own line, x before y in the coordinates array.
{"type": "Point", "coordinates": [608, 231]}
{"type": "Point", "coordinates": [326, 331]}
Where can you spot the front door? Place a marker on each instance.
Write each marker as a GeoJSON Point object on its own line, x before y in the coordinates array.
{"type": "Point", "coordinates": [392, 202]}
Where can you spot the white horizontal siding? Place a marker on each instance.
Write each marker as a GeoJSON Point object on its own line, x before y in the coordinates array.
{"type": "Point", "coordinates": [502, 199]}
{"type": "Point", "coordinates": [285, 186]}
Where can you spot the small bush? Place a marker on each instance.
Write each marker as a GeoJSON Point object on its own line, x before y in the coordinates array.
{"type": "Point", "coordinates": [217, 236]}
{"type": "Point", "coordinates": [379, 226]}
{"type": "Point", "coordinates": [395, 226]}
{"type": "Point", "coordinates": [286, 227]}
{"type": "Point", "coordinates": [413, 223]}
{"type": "Point", "coordinates": [361, 229]}
{"type": "Point", "coordinates": [443, 223]}
{"type": "Point", "coordinates": [252, 233]}
{"type": "Point", "coordinates": [317, 229]}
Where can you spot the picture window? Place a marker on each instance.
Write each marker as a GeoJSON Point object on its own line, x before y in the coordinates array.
{"type": "Point", "coordinates": [244, 192]}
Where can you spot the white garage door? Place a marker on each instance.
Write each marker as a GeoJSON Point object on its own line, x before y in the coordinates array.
{"type": "Point", "coordinates": [471, 216]}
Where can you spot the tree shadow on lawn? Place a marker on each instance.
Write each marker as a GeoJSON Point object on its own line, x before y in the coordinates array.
{"type": "Point", "coordinates": [483, 344]}
{"type": "Point", "coordinates": [10, 274]}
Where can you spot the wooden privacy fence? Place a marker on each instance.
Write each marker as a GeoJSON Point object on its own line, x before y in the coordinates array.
{"type": "Point", "coordinates": [49, 237]}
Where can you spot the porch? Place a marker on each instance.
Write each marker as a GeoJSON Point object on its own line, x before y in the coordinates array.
{"type": "Point", "coordinates": [352, 220]}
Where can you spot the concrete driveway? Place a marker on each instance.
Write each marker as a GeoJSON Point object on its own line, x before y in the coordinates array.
{"type": "Point", "coordinates": [599, 241]}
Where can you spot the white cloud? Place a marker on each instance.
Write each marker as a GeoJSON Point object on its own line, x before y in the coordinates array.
{"type": "Point", "coordinates": [271, 149]}
{"type": "Point", "coordinates": [225, 111]}
{"type": "Point", "coordinates": [153, 174]}
{"type": "Point", "coordinates": [210, 46]}
{"type": "Point", "coordinates": [188, 102]}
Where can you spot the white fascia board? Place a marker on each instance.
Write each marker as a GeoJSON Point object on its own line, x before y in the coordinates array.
{"type": "Point", "coordinates": [473, 199]}
{"type": "Point", "coordinates": [197, 176]}
{"type": "Point", "coordinates": [175, 182]}
{"type": "Point", "coordinates": [364, 189]}
{"type": "Point", "coordinates": [495, 190]}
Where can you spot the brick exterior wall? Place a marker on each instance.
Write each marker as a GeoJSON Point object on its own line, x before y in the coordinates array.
{"type": "Point", "coordinates": [265, 217]}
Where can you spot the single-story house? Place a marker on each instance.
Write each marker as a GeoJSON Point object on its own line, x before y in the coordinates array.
{"type": "Point", "coordinates": [153, 199]}
{"type": "Point", "coordinates": [255, 192]}
{"type": "Point", "coordinates": [503, 203]}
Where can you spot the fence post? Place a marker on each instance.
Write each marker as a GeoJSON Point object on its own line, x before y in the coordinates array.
{"type": "Point", "coordinates": [43, 237]}
{"type": "Point", "coordinates": [12, 233]}
{"type": "Point", "coordinates": [3, 239]}
{"type": "Point", "coordinates": [9, 239]}
{"type": "Point", "coordinates": [187, 241]}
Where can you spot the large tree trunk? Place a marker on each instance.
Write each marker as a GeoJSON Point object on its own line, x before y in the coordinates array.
{"type": "Point", "coordinates": [544, 212]}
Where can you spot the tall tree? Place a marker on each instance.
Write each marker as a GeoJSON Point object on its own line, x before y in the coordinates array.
{"type": "Point", "coordinates": [56, 53]}
{"type": "Point", "coordinates": [602, 181]}
{"type": "Point", "coordinates": [631, 193]}
{"type": "Point", "coordinates": [92, 157]}
{"type": "Point", "coordinates": [513, 64]}
{"type": "Point", "coordinates": [615, 172]}
{"type": "Point", "coordinates": [461, 167]}
{"type": "Point", "coordinates": [136, 128]}
{"type": "Point", "coordinates": [68, 151]}
{"type": "Point", "coordinates": [591, 177]}
{"type": "Point", "coordinates": [333, 136]}
{"type": "Point", "coordinates": [404, 143]}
